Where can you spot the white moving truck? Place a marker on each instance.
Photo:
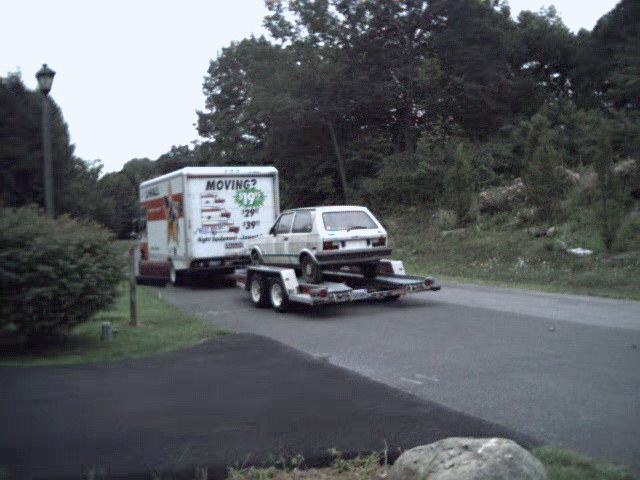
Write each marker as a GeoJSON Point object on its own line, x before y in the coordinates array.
{"type": "Point", "coordinates": [199, 219]}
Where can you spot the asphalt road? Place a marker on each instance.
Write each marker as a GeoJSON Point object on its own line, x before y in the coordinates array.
{"type": "Point", "coordinates": [562, 368]}
{"type": "Point", "coordinates": [236, 400]}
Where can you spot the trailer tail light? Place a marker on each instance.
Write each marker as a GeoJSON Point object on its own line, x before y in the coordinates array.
{"type": "Point", "coordinates": [314, 291]}
{"type": "Point", "coordinates": [318, 292]}
{"type": "Point", "coordinates": [330, 245]}
{"type": "Point", "coordinates": [380, 242]}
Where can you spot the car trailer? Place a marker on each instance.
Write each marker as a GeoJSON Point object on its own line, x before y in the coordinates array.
{"type": "Point", "coordinates": [280, 287]}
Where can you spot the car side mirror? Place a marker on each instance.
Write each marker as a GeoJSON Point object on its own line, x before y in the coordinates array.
{"type": "Point", "coordinates": [272, 230]}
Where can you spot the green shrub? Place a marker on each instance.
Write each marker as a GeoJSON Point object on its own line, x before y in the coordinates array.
{"type": "Point", "coordinates": [54, 274]}
{"type": "Point", "coordinates": [445, 219]}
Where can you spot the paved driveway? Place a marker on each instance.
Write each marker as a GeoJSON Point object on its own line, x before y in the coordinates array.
{"type": "Point", "coordinates": [229, 401]}
{"type": "Point", "coordinates": [561, 368]}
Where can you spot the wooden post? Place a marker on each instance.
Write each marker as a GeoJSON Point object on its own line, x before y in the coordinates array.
{"type": "Point", "coordinates": [132, 287]}
{"type": "Point", "coordinates": [202, 473]}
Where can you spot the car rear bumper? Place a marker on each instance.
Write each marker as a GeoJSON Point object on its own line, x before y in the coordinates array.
{"type": "Point", "coordinates": [351, 256]}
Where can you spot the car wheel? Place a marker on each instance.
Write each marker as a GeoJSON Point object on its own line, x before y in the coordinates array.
{"type": "Point", "coordinates": [369, 270]}
{"type": "Point", "coordinates": [278, 296]}
{"type": "Point", "coordinates": [259, 290]}
{"type": "Point", "coordinates": [310, 270]}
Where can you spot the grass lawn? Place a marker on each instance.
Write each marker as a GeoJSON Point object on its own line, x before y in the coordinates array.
{"type": "Point", "coordinates": [507, 254]}
{"type": "Point", "coordinates": [561, 464]}
{"type": "Point", "coordinates": [161, 327]}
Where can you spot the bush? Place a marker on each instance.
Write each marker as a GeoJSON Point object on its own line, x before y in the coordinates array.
{"type": "Point", "coordinates": [445, 219]}
{"type": "Point", "coordinates": [54, 274]}
{"type": "Point", "coordinates": [402, 180]}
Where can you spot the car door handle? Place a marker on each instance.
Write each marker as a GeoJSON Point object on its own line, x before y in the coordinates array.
{"type": "Point", "coordinates": [285, 239]}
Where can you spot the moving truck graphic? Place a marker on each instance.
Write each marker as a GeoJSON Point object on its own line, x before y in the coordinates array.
{"type": "Point", "coordinates": [199, 219]}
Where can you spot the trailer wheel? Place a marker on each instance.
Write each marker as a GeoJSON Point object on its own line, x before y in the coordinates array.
{"type": "Point", "coordinates": [278, 296]}
{"type": "Point", "coordinates": [391, 298]}
{"type": "Point", "coordinates": [259, 290]}
{"type": "Point", "coordinates": [369, 270]}
{"type": "Point", "coordinates": [310, 269]}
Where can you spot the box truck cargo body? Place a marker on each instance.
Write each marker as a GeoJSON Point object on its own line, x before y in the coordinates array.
{"type": "Point", "coordinates": [199, 219]}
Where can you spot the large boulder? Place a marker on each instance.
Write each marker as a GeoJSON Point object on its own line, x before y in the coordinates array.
{"type": "Point", "coordinates": [468, 459]}
{"type": "Point", "coordinates": [501, 199]}
{"type": "Point", "coordinates": [629, 172]}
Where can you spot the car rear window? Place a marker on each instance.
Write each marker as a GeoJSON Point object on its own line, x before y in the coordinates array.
{"type": "Point", "coordinates": [347, 220]}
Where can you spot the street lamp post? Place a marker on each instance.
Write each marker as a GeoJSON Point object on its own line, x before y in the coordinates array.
{"type": "Point", "coordinates": [45, 80]}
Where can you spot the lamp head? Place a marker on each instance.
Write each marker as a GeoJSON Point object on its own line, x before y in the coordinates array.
{"type": "Point", "coordinates": [45, 78]}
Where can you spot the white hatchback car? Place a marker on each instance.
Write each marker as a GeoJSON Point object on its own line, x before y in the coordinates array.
{"type": "Point", "coordinates": [312, 238]}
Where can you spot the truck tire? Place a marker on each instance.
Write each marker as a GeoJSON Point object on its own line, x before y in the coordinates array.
{"type": "Point", "coordinates": [310, 269]}
{"type": "Point", "coordinates": [278, 296]}
{"type": "Point", "coordinates": [259, 290]}
{"type": "Point", "coordinates": [176, 277]}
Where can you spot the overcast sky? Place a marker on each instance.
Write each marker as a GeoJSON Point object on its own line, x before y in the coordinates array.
{"type": "Point", "coordinates": [129, 73]}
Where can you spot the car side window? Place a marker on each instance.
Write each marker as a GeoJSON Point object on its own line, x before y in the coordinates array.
{"type": "Point", "coordinates": [284, 224]}
{"type": "Point", "coordinates": [302, 223]}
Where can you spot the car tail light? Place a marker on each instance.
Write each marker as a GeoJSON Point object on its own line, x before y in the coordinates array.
{"type": "Point", "coordinates": [380, 242]}
{"type": "Point", "coordinates": [428, 282]}
{"type": "Point", "coordinates": [330, 245]}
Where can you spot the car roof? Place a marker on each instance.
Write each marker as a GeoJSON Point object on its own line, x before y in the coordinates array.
{"type": "Point", "coordinates": [326, 208]}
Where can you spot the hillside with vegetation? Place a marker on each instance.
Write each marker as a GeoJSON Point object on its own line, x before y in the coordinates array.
{"type": "Point", "coordinates": [492, 147]}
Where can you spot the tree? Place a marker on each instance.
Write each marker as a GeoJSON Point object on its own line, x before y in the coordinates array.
{"type": "Point", "coordinates": [458, 186]}
{"type": "Point", "coordinates": [545, 55]}
{"type": "Point", "coordinates": [122, 189]}
{"type": "Point", "coordinates": [610, 209]}
{"type": "Point", "coordinates": [476, 43]}
{"type": "Point", "coordinates": [239, 134]}
{"type": "Point", "coordinates": [20, 149]}
{"type": "Point", "coordinates": [21, 177]}
{"type": "Point", "coordinates": [607, 70]}
{"type": "Point", "coordinates": [542, 159]}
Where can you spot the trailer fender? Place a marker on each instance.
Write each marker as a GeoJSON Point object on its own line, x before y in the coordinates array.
{"type": "Point", "coordinates": [395, 267]}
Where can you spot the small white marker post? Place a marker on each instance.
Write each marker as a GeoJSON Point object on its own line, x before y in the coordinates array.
{"type": "Point", "coordinates": [105, 337]}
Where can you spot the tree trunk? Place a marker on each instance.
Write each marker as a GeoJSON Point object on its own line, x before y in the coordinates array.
{"type": "Point", "coordinates": [341, 171]}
